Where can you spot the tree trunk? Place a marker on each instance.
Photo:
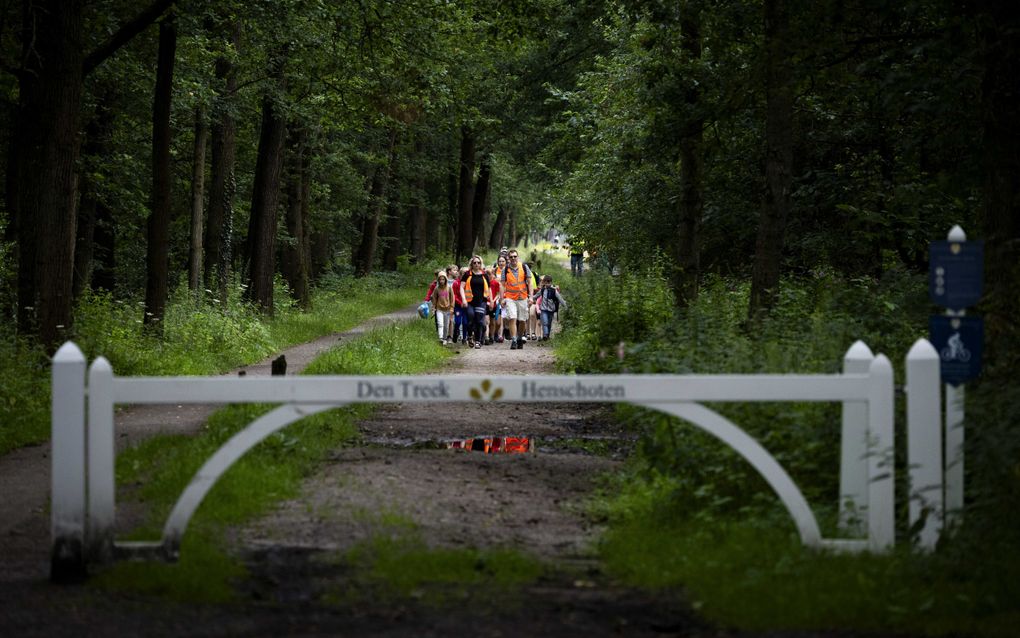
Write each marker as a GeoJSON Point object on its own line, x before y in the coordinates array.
{"type": "Point", "coordinates": [295, 254]}
{"type": "Point", "coordinates": [104, 255]}
{"type": "Point", "coordinates": [261, 245]}
{"type": "Point", "coordinates": [498, 226]}
{"type": "Point", "coordinates": [512, 233]}
{"type": "Point", "coordinates": [158, 227]}
{"type": "Point", "coordinates": [220, 218]}
{"type": "Point", "coordinates": [417, 214]}
{"type": "Point", "coordinates": [364, 258]}
{"type": "Point", "coordinates": [481, 197]}
{"type": "Point", "coordinates": [46, 134]}
{"type": "Point", "coordinates": [778, 159]}
{"type": "Point", "coordinates": [320, 250]}
{"type": "Point", "coordinates": [391, 237]}
{"type": "Point", "coordinates": [197, 200]}
{"type": "Point", "coordinates": [465, 230]}
{"type": "Point", "coordinates": [1000, 210]}
{"type": "Point", "coordinates": [97, 143]}
{"type": "Point", "coordinates": [688, 242]}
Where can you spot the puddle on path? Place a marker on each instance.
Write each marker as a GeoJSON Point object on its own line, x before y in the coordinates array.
{"type": "Point", "coordinates": [495, 444]}
{"type": "Point", "coordinates": [486, 444]}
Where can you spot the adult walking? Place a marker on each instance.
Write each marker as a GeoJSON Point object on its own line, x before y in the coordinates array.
{"type": "Point", "coordinates": [477, 297]}
{"type": "Point", "coordinates": [517, 292]}
{"type": "Point", "coordinates": [576, 257]}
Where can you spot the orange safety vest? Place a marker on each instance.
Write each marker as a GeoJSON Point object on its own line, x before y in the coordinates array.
{"type": "Point", "coordinates": [466, 287]}
{"type": "Point", "coordinates": [516, 283]}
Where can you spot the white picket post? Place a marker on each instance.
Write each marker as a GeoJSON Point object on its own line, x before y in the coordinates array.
{"type": "Point", "coordinates": [67, 515]}
{"type": "Point", "coordinates": [853, 464]}
{"type": "Point", "coordinates": [101, 483]}
{"type": "Point", "coordinates": [881, 456]}
{"type": "Point", "coordinates": [924, 442]}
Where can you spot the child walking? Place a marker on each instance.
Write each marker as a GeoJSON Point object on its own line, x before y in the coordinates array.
{"type": "Point", "coordinates": [442, 302]}
{"type": "Point", "coordinates": [548, 300]}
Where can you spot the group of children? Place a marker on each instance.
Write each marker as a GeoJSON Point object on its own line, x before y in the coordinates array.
{"type": "Point", "coordinates": [478, 305]}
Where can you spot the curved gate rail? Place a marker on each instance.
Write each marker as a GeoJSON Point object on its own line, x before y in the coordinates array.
{"type": "Point", "coordinates": [83, 507]}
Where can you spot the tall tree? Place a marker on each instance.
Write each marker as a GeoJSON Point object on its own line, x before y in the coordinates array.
{"type": "Point", "coordinates": [688, 245]}
{"type": "Point", "coordinates": [295, 254]}
{"type": "Point", "coordinates": [364, 257]}
{"type": "Point", "coordinates": [465, 190]}
{"type": "Point", "coordinates": [480, 205]}
{"type": "Point", "coordinates": [46, 137]}
{"type": "Point", "coordinates": [261, 245]}
{"type": "Point", "coordinates": [92, 210]}
{"type": "Point", "coordinates": [418, 214]}
{"type": "Point", "coordinates": [392, 230]}
{"type": "Point", "coordinates": [498, 226]}
{"type": "Point", "coordinates": [220, 218]}
{"type": "Point", "coordinates": [778, 158]}
{"type": "Point", "coordinates": [158, 225]}
{"type": "Point", "coordinates": [50, 91]}
{"type": "Point", "coordinates": [197, 200]}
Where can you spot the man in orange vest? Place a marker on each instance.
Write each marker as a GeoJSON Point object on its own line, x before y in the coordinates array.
{"type": "Point", "coordinates": [517, 289]}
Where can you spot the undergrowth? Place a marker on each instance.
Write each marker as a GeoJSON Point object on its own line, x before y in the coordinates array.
{"type": "Point", "coordinates": [206, 337]}
{"type": "Point", "coordinates": [158, 470]}
{"type": "Point", "coordinates": [688, 513]}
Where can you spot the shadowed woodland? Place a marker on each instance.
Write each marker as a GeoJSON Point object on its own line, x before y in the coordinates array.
{"type": "Point", "coordinates": [755, 173]}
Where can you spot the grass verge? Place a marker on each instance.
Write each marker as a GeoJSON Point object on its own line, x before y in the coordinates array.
{"type": "Point", "coordinates": [199, 339]}
{"type": "Point", "coordinates": [755, 575]}
{"type": "Point", "coordinates": [158, 470]}
{"type": "Point", "coordinates": [393, 567]}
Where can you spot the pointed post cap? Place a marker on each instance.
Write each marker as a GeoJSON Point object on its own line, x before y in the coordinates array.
{"type": "Point", "coordinates": [68, 352]}
{"type": "Point", "coordinates": [956, 234]}
{"type": "Point", "coordinates": [859, 351]}
{"type": "Point", "coordinates": [100, 364]}
{"type": "Point", "coordinates": [922, 350]}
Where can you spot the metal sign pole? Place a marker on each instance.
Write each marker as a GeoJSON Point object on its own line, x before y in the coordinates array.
{"type": "Point", "coordinates": [954, 433]}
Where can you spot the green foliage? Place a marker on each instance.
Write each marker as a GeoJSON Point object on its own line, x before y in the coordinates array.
{"type": "Point", "coordinates": [158, 470]}
{"type": "Point", "coordinates": [25, 399]}
{"type": "Point", "coordinates": [688, 512]}
{"type": "Point", "coordinates": [205, 338]}
{"type": "Point", "coordinates": [754, 575]}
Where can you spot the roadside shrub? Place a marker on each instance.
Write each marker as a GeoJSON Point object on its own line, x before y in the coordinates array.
{"type": "Point", "coordinates": [688, 512]}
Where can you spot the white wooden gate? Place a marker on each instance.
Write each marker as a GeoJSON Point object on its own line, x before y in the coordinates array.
{"type": "Point", "coordinates": [83, 506]}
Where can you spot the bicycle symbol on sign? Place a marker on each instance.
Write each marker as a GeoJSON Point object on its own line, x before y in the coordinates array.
{"type": "Point", "coordinates": [955, 350]}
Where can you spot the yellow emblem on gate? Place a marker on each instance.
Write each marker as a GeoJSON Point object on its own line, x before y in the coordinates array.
{"type": "Point", "coordinates": [484, 395]}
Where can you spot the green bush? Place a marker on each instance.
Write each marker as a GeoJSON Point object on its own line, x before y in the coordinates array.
{"type": "Point", "coordinates": [689, 512]}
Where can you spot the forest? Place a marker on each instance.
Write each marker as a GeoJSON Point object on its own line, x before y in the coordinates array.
{"type": "Point", "coordinates": [754, 173]}
{"type": "Point", "coordinates": [163, 144]}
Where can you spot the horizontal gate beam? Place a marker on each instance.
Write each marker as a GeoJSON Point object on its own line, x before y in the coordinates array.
{"type": "Point", "coordinates": [562, 388]}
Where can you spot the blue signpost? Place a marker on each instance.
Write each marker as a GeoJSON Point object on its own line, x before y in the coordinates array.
{"type": "Point", "coordinates": [956, 273]}
{"type": "Point", "coordinates": [955, 282]}
{"type": "Point", "coordinates": [958, 340]}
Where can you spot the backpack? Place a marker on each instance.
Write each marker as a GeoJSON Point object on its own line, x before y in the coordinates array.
{"type": "Point", "coordinates": [555, 298]}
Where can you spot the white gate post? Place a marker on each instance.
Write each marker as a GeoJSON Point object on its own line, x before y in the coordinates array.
{"type": "Point", "coordinates": [853, 464]}
{"type": "Point", "coordinates": [67, 516]}
{"type": "Point", "coordinates": [101, 482]}
{"type": "Point", "coordinates": [881, 456]}
{"type": "Point", "coordinates": [924, 441]}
